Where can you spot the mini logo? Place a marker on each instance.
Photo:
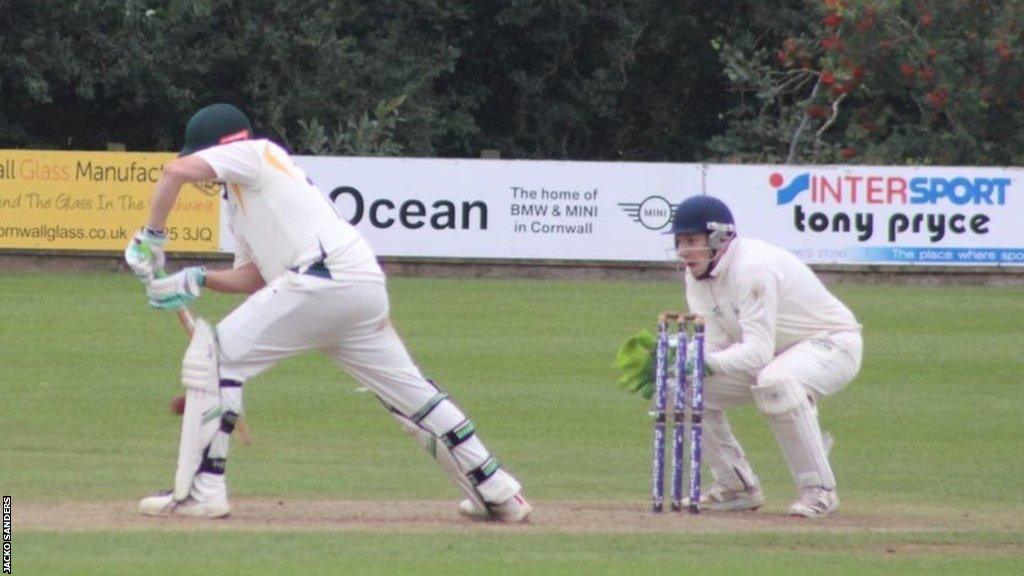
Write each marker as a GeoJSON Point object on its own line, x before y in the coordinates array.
{"type": "Point", "coordinates": [653, 213]}
{"type": "Point", "coordinates": [789, 192]}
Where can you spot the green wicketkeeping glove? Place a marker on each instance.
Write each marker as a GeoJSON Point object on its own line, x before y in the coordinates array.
{"type": "Point", "coordinates": [636, 360]}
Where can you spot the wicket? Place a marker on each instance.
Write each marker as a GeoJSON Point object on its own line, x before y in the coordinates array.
{"type": "Point", "coordinates": [684, 322]}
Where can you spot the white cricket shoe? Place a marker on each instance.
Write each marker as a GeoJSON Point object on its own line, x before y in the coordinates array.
{"type": "Point", "coordinates": [720, 498]}
{"type": "Point", "coordinates": [163, 504]}
{"type": "Point", "coordinates": [515, 509]}
{"type": "Point", "coordinates": [815, 502]}
{"type": "Point", "coordinates": [472, 510]}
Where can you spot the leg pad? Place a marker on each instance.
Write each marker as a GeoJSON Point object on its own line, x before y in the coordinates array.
{"type": "Point", "coordinates": [795, 425]}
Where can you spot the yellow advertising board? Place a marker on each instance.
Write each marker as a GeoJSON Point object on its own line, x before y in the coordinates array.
{"type": "Point", "coordinates": [56, 200]}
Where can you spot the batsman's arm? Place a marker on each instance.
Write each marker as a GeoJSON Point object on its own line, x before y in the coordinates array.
{"type": "Point", "coordinates": [245, 279]}
{"type": "Point", "coordinates": [178, 172]}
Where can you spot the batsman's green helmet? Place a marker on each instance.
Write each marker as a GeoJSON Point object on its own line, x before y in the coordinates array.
{"type": "Point", "coordinates": [215, 124]}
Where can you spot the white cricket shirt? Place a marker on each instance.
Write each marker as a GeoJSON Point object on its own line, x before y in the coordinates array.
{"type": "Point", "coordinates": [281, 220]}
{"type": "Point", "coordinates": [760, 300]}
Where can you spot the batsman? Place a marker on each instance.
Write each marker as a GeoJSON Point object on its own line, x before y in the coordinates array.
{"type": "Point", "coordinates": [775, 337]}
{"type": "Point", "coordinates": [314, 284]}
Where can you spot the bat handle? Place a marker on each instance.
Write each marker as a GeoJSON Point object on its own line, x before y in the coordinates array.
{"type": "Point", "coordinates": [187, 321]}
{"type": "Point", "coordinates": [184, 316]}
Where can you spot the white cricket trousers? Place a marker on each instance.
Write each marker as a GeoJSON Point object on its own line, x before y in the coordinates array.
{"type": "Point", "coordinates": [821, 366]}
{"type": "Point", "coordinates": [347, 321]}
{"type": "Point", "coordinates": [818, 367]}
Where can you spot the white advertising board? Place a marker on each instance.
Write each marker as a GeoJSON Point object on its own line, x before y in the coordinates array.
{"type": "Point", "coordinates": [879, 215]}
{"type": "Point", "coordinates": [507, 209]}
{"type": "Point", "coordinates": [620, 211]}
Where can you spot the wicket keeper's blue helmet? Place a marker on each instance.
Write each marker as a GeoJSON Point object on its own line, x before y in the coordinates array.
{"type": "Point", "coordinates": [704, 214]}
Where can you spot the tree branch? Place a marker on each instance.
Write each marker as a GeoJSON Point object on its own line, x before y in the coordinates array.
{"type": "Point", "coordinates": [803, 124]}
{"type": "Point", "coordinates": [831, 120]}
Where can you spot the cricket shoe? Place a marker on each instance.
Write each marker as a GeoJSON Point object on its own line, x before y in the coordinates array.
{"type": "Point", "coordinates": [515, 509]}
{"type": "Point", "coordinates": [815, 502]}
{"type": "Point", "coordinates": [722, 499]}
{"type": "Point", "coordinates": [163, 504]}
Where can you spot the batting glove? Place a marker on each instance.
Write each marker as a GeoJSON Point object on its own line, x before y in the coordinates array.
{"type": "Point", "coordinates": [636, 360]}
{"type": "Point", "coordinates": [145, 253]}
{"type": "Point", "coordinates": [177, 290]}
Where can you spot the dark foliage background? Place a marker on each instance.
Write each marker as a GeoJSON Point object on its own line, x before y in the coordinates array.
{"type": "Point", "coordinates": [802, 81]}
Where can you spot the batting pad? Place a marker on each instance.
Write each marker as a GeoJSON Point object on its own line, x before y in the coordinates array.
{"type": "Point", "coordinates": [452, 440]}
{"type": "Point", "coordinates": [440, 452]}
{"type": "Point", "coordinates": [795, 426]}
{"type": "Point", "coordinates": [199, 424]}
{"type": "Point", "coordinates": [199, 366]}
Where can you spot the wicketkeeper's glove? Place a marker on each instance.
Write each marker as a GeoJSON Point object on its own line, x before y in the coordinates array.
{"type": "Point", "coordinates": [636, 360]}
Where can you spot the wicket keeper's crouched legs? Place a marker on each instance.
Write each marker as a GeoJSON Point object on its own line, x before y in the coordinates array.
{"type": "Point", "coordinates": [350, 323]}
{"type": "Point", "coordinates": [786, 392]}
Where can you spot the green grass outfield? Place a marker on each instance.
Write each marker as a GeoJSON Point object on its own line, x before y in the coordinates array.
{"type": "Point", "coordinates": [928, 440]}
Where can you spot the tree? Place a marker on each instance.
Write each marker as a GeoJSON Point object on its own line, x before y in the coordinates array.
{"type": "Point", "coordinates": [307, 71]}
{"type": "Point", "coordinates": [65, 78]}
{"type": "Point", "coordinates": [923, 81]}
{"type": "Point", "coordinates": [79, 74]}
{"type": "Point", "coordinates": [576, 79]}
{"type": "Point", "coordinates": [812, 81]}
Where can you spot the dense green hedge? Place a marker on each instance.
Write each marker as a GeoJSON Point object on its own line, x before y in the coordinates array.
{"type": "Point", "coordinates": [924, 81]}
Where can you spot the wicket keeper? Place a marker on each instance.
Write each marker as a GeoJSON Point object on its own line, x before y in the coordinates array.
{"type": "Point", "coordinates": [775, 337]}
